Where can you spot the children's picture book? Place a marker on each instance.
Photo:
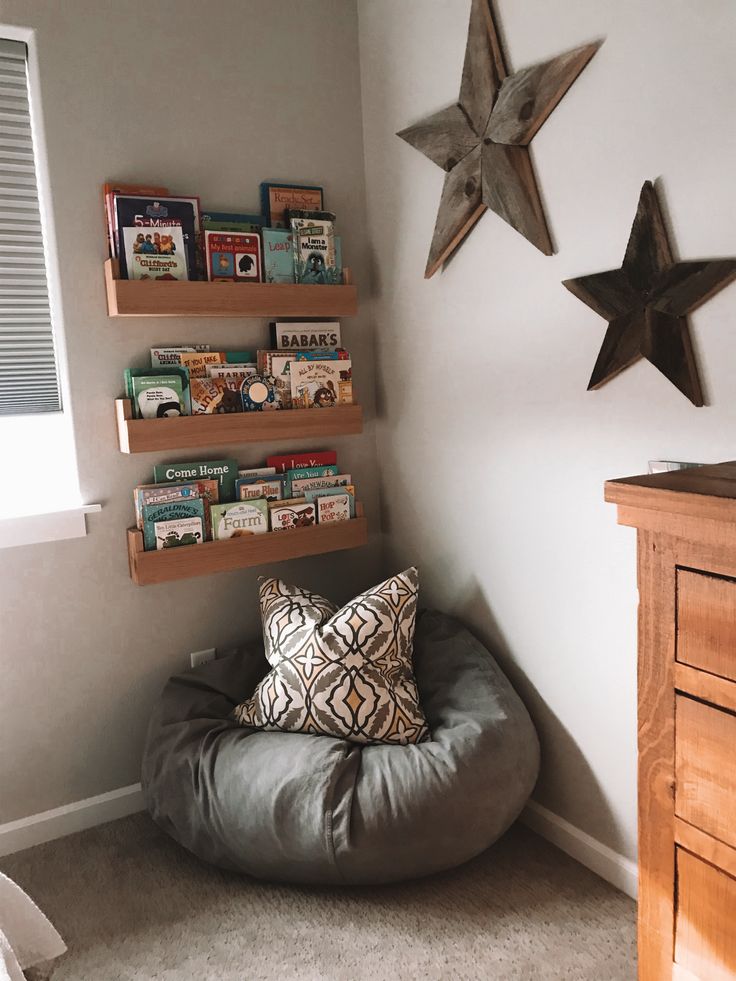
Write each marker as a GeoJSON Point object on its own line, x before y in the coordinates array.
{"type": "Point", "coordinates": [233, 257]}
{"type": "Point", "coordinates": [278, 255]}
{"type": "Point", "coordinates": [231, 221]}
{"type": "Point", "coordinates": [178, 531]}
{"type": "Point", "coordinates": [258, 393]}
{"type": "Point", "coordinates": [109, 190]}
{"type": "Point", "coordinates": [257, 472]}
{"type": "Point", "coordinates": [157, 396]}
{"type": "Point", "coordinates": [305, 335]}
{"type": "Point", "coordinates": [277, 198]}
{"type": "Point", "coordinates": [208, 490]}
{"type": "Point", "coordinates": [151, 214]}
{"type": "Point", "coordinates": [348, 489]}
{"type": "Point", "coordinates": [300, 486]}
{"type": "Point", "coordinates": [239, 519]}
{"type": "Point", "coordinates": [153, 514]}
{"type": "Point", "coordinates": [281, 462]}
{"type": "Point", "coordinates": [335, 507]}
{"type": "Point", "coordinates": [314, 247]}
{"type": "Point", "coordinates": [225, 472]}
{"type": "Point", "coordinates": [248, 489]}
{"type": "Point", "coordinates": [303, 473]}
{"type": "Point", "coordinates": [320, 384]}
{"type": "Point", "coordinates": [162, 357]}
{"type": "Point", "coordinates": [167, 371]}
{"type": "Point", "coordinates": [232, 370]}
{"type": "Point", "coordinates": [197, 362]}
{"type": "Point", "coordinates": [154, 254]}
{"type": "Point", "coordinates": [214, 396]}
{"type": "Point", "coordinates": [287, 515]}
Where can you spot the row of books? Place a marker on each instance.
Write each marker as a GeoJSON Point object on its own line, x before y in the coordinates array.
{"type": "Point", "coordinates": [155, 235]}
{"type": "Point", "coordinates": [194, 380]}
{"type": "Point", "coordinates": [211, 500]}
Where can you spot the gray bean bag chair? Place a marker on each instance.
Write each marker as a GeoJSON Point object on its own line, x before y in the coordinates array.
{"type": "Point", "coordinates": [298, 808]}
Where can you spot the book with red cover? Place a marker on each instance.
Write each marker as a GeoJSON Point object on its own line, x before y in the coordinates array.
{"type": "Point", "coordinates": [233, 257]}
{"type": "Point", "coordinates": [297, 461]}
{"type": "Point", "coordinates": [115, 187]}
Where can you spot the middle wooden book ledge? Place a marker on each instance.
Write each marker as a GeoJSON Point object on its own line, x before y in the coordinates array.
{"type": "Point", "coordinates": [190, 432]}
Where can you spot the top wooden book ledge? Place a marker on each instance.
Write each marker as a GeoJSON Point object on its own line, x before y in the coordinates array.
{"type": "Point", "coordinates": [143, 298]}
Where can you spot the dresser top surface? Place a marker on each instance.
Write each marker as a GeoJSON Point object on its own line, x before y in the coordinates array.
{"type": "Point", "coordinates": [707, 491]}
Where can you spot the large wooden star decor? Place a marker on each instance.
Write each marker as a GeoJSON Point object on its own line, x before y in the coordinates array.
{"type": "Point", "coordinates": [646, 301]}
{"type": "Point", "coordinates": [482, 141]}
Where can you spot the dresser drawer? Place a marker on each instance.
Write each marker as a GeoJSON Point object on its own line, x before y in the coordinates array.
{"type": "Point", "coordinates": [705, 768]}
{"type": "Point", "coordinates": [705, 940]}
{"type": "Point", "coordinates": [706, 622]}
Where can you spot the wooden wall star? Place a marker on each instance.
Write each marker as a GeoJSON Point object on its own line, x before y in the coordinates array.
{"type": "Point", "coordinates": [482, 141]}
{"type": "Point", "coordinates": [646, 301]}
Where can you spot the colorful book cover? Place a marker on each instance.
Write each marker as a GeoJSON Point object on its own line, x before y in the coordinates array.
{"type": "Point", "coordinates": [258, 393]}
{"type": "Point", "coordinates": [248, 488]}
{"type": "Point", "coordinates": [287, 515]}
{"type": "Point", "coordinates": [174, 371]}
{"type": "Point", "coordinates": [320, 384]}
{"type": "Point", "coordinates": [348, 489]}
{"type": "Point", "coordinates": [109, 190]}
{"type": "Point", "coordinates": [303, 473]}
{"type": "Point", "coordinates": [278, 255]}
{"type": "Point", "coordinates": [277, 198]}
{"type": "Point", "coordinates": [154, 254]}
{"type": "Point", "coordinates": [163, 357]}
{"type": "Point", "coordinates": [300, 487]}
{"type": "Point", "coordinates": [298, 461]}
{"type": "Point", "coordinates": [215, 396]}
{"type": "Point", "coordinates": [305, 335]}
{"type": "Point", "coordinates": [239, 519]}
{"type": "Point", "coordinates": [173, 511]}
{"type": "Point", "coordinates": [314, 250]}
{"type": "Point", "coordinates": [232, 257]}
{"type": "Point", "coordinates": [150, 214]}
{"type": "Point", "coordinates": [178, 531]}
{"type": "Point", "coordinates": [335, 507]}
{"type": "Point", "coordinates": [157, 397]}
{"type": "Point", "coordinates": [196, 362]}
{"type": "Point", "coordinates": [225, 472]}
{"type": "Point", "coordinates": [208, 490]}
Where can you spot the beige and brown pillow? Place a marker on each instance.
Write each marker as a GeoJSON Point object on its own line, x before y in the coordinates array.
{"type": "Point", "coordinates": [344, 673]}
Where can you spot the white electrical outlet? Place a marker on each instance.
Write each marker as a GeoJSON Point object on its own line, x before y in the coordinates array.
{"type": "Point", "coordinates": [203, 657]}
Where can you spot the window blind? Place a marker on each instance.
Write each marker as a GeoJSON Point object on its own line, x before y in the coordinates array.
{"type": "Point", "coordinates": [28, 373]}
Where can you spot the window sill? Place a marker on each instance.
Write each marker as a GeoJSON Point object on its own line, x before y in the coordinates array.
{"type": "Point", "coordinates": [30, 529]}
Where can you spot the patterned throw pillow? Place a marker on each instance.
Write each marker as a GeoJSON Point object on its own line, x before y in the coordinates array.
{"type": "Point", "coordinates": [345, 673]}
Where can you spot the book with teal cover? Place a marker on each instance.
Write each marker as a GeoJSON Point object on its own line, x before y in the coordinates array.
{"type": "Point", "coordinates": [278, 256]}
{"type": "Point", "coordinates": [157, 396]}
{"type": "Point", "coordinates": [224, 471]}
{"type": "Point", "coordinates": [174, 511]}
{"type": "Point", "coordinates": [329, 470]}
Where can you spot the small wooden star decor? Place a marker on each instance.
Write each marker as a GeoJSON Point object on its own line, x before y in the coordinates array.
{"type": "Point", "coordinates": [482, 141]}
{"type": "Point", "coordinates": [646, 301]}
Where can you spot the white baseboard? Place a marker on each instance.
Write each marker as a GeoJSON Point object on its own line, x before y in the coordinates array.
{"type": "Point", "coordinates": [599, 858]}
{"type": "Point", "coordinates": [61, 821]}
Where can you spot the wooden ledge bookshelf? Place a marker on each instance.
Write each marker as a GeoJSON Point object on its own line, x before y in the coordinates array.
{"type": "Point", "coordinates": [190, 432]}
{"type": "Point", "coordinates": [142, 298]}
{"type": "Point", "coordinates": [186, 562]}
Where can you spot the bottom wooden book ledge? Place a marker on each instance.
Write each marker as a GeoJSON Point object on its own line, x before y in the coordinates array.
{"type": "Point", "coordinates": [188, 561]}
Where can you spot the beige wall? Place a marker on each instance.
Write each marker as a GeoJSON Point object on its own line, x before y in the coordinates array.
{"type": "Point", "coordinates": [210, 99]}
{"type": "Point", "coordinates": [493, 456]}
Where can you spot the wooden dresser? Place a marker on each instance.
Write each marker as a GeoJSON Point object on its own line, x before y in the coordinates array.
{"type": "Point", "coordinates": [686, 523]}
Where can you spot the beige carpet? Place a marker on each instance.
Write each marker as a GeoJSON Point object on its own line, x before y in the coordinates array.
{"type": "Point", "coordinates": [132, 905]}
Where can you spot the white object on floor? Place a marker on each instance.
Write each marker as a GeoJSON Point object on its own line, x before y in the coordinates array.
{"type": "Point", "coordinates": [26, 935]}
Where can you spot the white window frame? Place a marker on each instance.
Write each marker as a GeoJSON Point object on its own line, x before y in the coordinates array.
{"type": "Point", "coordinates": [29, 521]}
